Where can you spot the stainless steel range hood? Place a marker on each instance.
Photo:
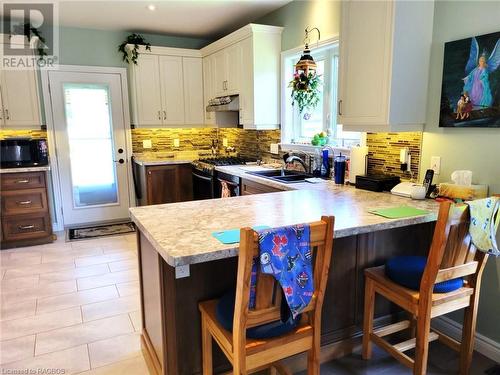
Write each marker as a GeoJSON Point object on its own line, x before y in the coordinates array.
{"type": "Point", "coordinates": [227, 104]}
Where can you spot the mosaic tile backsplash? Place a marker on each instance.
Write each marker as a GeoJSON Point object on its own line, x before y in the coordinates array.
{"type": "Point", "coordinates": [383, 154]}
{"type": "Point", "coordinates": [383, 147]}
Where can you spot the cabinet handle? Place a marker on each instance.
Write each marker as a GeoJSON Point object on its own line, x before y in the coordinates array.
{"type": "Point", "coordinates": [1, 114]}
{"type": "Point", "coordinates": [7, 116]}
{"type": "Point", "coordinates": [24, 203]}
{"type": "Point", "coordinates": [164, 115]}
{"type": "Point", "coordinates": [25, 227]}
{"type": "Point", "coordinates": [339, 108]}
{"type": "Point", "coordinates": [159, 115]}
{"type": "Point", "coordinates": [22, 181]}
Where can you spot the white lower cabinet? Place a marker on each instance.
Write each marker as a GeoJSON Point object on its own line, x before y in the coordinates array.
{"type": "Point", "coordinates": [19, 99]}
{"type": "Point", "coordinates": [166, 88]}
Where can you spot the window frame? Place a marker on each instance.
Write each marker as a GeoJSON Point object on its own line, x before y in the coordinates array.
{"type": "Point", "coordinates": [288, 129]}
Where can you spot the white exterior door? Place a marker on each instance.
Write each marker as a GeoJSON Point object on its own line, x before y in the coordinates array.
{"type": "Point", "coordinates": [172, 90]}
{"type": "Point", "coordinates": [90, 139]}
{"type": "Point", "coordinates": [20, 98]}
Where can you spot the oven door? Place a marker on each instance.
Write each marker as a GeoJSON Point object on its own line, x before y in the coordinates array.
{"type": "Point", "coordinates": [203, 185]}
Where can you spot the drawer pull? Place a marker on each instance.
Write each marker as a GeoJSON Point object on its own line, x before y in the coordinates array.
{"type": "Point", "coordinates": [25, 227]}
{"type": "Point", "coordinates": [22, 181]}
{"type": "Point", "coordinates": [24, 203]}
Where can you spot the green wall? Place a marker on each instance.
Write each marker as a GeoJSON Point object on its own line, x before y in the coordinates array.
{"type": "Point", "coordinates": [100, 47]}
{"type": "Point", "coordinates": [297, 15]}
{"type": "Point", "coordinates": [475, 149]}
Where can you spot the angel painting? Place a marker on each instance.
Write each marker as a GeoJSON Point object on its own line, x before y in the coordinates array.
{"type": "Point", "coordinates": [478, 68]}
{"type": "Point", "coordinates": [471, 82]}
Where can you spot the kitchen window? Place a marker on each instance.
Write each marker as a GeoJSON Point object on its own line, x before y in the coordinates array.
{"type": "Point", "coordinates": [299, 128]}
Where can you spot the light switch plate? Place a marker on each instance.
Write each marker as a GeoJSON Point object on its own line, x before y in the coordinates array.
{"type": "Point", "coordinates": [436, 164]}
{"type": "Point", "coordinates": [177, 142]}
{"type": "Point", "coordinates": [224, 142]}
{"type": "Point", "coordinates": [274, 148]}
{"type": "Point", "coordinates": [147, 143]}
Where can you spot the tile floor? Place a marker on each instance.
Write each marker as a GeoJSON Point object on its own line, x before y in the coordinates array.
{"type": "Point", "coordinates": [75, 306]}
{"type": "Point", "coordinates": [71, 306]}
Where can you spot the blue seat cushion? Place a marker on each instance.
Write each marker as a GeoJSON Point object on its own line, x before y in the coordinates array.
{"type": "Point", "coordinates": [408, 270]}
{"type": "Point", "coordinates": [225, 314]}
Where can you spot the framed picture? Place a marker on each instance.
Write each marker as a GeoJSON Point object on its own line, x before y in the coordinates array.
{"type": "Point", "coordinates": [470, 95]}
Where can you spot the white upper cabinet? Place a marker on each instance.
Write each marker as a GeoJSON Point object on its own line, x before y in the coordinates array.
{"type": "Point", "coordinates": [246, 63]}
{"type": "Point", "coordinates": [172, 90]}
{"type": "Point", "coordinates": [193, 90]}
{"type": "Point", "coordinates": [167, 88]}
{"type": "Point", "coordinates": [208, 87]}
{"type": "Point", "coordinates": [19, 104]}
{"type": "Point", "coordinates": [384, 65]}
{"type": "Point", "coordinates": [147, 92]}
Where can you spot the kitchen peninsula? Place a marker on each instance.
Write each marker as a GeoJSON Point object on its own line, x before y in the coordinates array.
{"type": "Point", "coordinates": [182, 264]}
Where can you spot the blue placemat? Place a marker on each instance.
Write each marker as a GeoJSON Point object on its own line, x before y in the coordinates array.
{"type": "Point", "coordinates": [231, 236]}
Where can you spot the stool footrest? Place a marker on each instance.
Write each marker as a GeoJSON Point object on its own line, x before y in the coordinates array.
{"type": "Point", "coordinates": [392, 328]}
{"type": "Point", "coordinates": [411, 343]}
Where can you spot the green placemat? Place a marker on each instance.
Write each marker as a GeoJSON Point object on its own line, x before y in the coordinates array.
{"type": "Point", "coordinates": [399, 212]}
{"type": "Point", "coordinates": [233, 235]}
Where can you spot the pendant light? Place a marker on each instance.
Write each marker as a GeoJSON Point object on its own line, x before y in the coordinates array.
{"type": "Point", "coordinates": [306, 64]}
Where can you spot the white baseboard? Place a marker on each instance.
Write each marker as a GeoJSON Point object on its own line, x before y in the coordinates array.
{"type": "Point", "coordinates": [483, 344]}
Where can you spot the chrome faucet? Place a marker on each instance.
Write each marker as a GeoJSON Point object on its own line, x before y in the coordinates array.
{"type": "Point", "coordinates": [293, 158]}
{"type": "Point", "coordinates": [328, 147]}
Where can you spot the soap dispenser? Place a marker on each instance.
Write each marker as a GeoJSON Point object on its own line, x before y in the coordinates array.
{"type": "Point", "coordinates": [325, 165]}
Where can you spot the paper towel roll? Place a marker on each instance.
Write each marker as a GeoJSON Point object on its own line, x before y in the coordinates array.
{"type": "Point", "coordinates": [357, 164]}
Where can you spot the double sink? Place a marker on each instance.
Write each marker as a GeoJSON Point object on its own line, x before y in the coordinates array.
{"type": "Point", "coordinates": [283, 176]}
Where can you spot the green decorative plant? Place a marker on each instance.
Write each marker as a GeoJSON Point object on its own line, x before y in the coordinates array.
{"type": "Point", "coordinates": [132, 55]}
{"type": "Point", "coordinates": [305, 90]}
{"type": "Point", "coordinates": [30, 32]}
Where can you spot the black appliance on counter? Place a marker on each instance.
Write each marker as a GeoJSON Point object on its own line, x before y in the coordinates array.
{"type": "Point", "coordinates": [23, 152]}
{"type": "Point", "coordinates": [377, 183]}
{"type": "Point", "coordinates": [207, 182]}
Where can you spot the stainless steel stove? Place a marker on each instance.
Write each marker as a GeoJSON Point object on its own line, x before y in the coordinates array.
{"type": "Point", "coordinates": [208, 165]}
{"type": "Point", "coordinates": [206, 180]}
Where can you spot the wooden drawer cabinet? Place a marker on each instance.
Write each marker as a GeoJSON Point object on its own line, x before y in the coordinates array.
{"type": "Point", "coordinates": [250, 187]}
{"type": "Point", "coordinates": [28, 180]}
{"type": "Point", "coordinates": [25, 218]}
{"type": "Point", "coordinates": [24, 201]}
{"type": "Point", "coordinates": [23, 227]}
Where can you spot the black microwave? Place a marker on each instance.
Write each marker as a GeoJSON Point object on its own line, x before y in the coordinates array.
{"type": "Point", "coordinates": [23, 152]}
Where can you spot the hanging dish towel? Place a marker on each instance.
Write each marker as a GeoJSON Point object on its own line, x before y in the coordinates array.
{"type": "Point", "coordinates": [225, 191]}
{"type": "Point", "coordinates": [484, 222]}
{"type": "Point", "coordinates": [285, 253]}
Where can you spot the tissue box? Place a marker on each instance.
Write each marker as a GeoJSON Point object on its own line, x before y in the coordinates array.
{"type": "Point", "coordinates": [464, 192]}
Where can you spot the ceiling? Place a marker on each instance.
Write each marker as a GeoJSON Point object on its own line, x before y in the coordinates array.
{"type": "Point", "coordinates": [193, 18]}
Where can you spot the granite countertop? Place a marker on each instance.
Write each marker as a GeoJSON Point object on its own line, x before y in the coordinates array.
{"type": "Point", "coordinates": [26, 169]}
{"type": "Point", "coordinates": [182, 232]}
{"type": "Point", "coordinates": [162, 160]}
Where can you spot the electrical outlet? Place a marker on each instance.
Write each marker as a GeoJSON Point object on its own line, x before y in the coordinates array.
{"type": "Point", "coordinates": [224, 142]}
{"type": "Point", "coordinates": [274, 148]}
{"type": "Point", "coordinates": [177, 142]}
{"type": "Point", "coordinates": [147, 143]}
{"type": "Point", "coordinates": [436, 164]}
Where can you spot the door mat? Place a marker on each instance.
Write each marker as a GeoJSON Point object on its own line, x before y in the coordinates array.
{"type": "Point", "coordinates": [85, 233]}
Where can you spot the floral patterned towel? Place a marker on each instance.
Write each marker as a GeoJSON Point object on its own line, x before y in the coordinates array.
{"type": "Point", "coordinates": [285, 253]}
{"type": "Point", "coordinates": [484, 222]}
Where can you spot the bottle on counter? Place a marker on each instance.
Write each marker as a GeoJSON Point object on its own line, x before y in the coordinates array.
{"type": "Point", "coordinates": [339, 169]}
{"type": "Point", "coordinates": [325, 165]}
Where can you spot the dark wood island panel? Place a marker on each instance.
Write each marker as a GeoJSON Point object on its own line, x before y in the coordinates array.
{"type": "Point", "coordinates": [171, 322]}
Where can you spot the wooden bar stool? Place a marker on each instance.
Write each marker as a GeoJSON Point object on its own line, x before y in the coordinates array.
{"type": "Point", "coordinates": [249, 355]}
{"type": "Point", "coordinates": [452, 256]}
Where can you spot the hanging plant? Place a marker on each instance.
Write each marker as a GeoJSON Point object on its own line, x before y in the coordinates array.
{"type": "Point", "coordinates": [305, 90]}
{"type": "Point", "coordinates": [30, 32]}
{"type": "Point", "coordinates": [132, 55]}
